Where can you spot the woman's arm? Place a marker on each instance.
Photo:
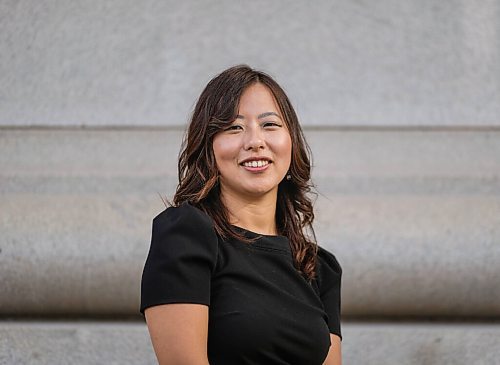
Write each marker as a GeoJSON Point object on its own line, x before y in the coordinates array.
{"type": "Point", "coordinates": [179, 333]}
{"type": "Point", "coordinates": [334, 356]}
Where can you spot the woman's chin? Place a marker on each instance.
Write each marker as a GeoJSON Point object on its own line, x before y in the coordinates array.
{"type": "Point", "coordinates": [261, 191]}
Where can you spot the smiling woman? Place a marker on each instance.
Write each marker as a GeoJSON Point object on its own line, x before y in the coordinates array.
{"type": "Point", "coordinates": [231, 276]}
{"type": "Point", "coordinates": [253, 154]}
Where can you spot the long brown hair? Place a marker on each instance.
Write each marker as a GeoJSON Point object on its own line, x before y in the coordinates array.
{"type": "Point", "coordinates": [217, 107]}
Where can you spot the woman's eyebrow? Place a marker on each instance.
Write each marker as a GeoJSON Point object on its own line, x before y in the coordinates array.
{"type": "Point", "coordinates": [263, 115]}
{"type": "Point", "coordinates": [266, 114]}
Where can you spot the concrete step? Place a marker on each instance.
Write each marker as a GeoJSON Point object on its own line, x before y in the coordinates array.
{"type": "Point", "coordinates": [414, 218]}
{"type": "Point", "coordinates": [421, 343]}
{"type": "Point", "coordinates": [94, 342]}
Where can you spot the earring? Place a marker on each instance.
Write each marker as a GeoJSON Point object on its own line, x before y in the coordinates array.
{"type": "Point", "coordinates": [288, 177]}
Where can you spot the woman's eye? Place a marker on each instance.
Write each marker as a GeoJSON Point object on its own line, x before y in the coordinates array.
{"type": "Point", "coordinates": [272, 124]}
{"type": "Point", "coordinates": [233, 128]}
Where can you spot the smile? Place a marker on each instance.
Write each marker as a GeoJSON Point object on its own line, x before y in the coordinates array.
{"type": "Point", "coordinates": [256, 163]}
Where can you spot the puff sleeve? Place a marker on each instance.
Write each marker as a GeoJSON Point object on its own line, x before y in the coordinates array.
{"type": "Point", "coordinates": [181, 259]}
{"type": "Point", "coordinates": [329, 274]}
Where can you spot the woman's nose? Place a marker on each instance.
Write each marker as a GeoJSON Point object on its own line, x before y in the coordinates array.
{"type": "Point", "coordinates": [254, 139]}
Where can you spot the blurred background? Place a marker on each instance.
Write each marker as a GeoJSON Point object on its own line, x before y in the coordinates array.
{"type": "Point", "coordinates": [400, 103]}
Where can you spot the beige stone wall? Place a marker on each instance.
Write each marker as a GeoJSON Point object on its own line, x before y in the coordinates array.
{"type": "Point", "coordinates": [400, 103]}
{"type": "Point", "coordinates": [123, 62]}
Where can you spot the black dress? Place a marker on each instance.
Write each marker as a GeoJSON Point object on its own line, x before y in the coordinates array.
{"type": "Point", "coordinates": [261, 310]}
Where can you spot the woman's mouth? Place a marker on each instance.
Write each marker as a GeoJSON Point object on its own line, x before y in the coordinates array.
{"type": "Point", "coordinates": [256, 165]}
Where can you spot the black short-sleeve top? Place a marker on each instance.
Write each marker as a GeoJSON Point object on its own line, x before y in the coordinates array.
{"type": "Point", "coordinates": [261, 310]}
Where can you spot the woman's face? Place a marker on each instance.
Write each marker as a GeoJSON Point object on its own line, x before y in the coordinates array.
{"type": "Point", "coordinates": [253, 154]}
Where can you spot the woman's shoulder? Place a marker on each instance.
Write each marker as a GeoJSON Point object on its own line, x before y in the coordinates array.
{"type": "Point", "coordinates": [328, 261]}
{"type": "Point", "coordinates": [184, 214]}
{"type": "Point", "coordinates": [184, 217]}
{"type": "Point", "coordinates": [328, 270]}
{"type": "Point", "coordinates": [182, 256]}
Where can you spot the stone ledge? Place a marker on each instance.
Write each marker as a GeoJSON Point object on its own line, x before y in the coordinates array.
{"type": "Point", "coordinates": [125, 343]}
{"type": "Point", "coordinates": [421, 343]}
{"type": "Point", "coordinates": [406, 256]}
{"type": "Point", "coordinates": [412, 216]}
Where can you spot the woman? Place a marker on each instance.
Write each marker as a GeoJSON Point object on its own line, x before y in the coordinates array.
{"type": "Point", "coordinates": [231, 277]}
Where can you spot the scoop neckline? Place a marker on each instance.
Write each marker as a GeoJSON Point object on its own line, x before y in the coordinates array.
{"type": "Point", "coordinates": [263, 241]}
{"type": "Point", "coordinates": [255, 233]}
{"type": "Point", "coordinates": [274, 242]}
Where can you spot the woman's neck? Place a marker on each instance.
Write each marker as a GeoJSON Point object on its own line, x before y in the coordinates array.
{"type": "Point", "coordinates": [256, 215]}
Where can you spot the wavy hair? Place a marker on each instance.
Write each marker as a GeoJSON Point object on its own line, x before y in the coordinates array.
{"type": "Point", "coordinates": [216, 108]}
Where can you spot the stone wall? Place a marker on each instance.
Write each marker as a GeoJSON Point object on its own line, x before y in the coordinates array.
{"type": "Point", "coordinates": [400, 102]}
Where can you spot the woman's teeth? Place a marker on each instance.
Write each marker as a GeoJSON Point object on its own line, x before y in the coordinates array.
{"type": "Point", "coordinates": [259, 163]}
